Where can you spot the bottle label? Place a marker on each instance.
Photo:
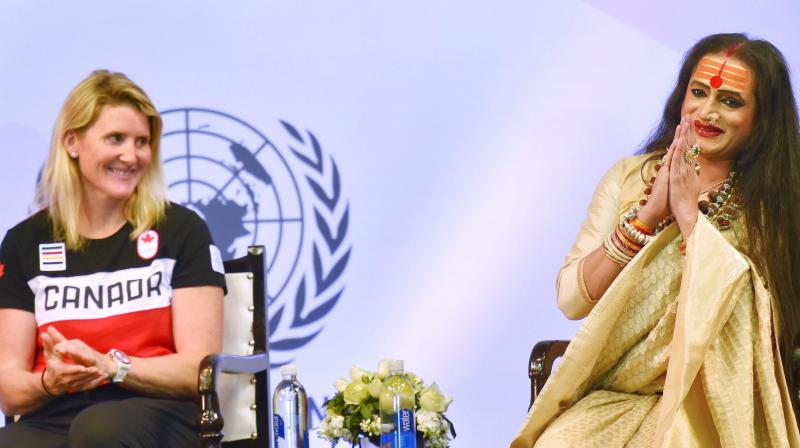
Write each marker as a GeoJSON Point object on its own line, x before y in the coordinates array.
{"type": "Point", "coordinates": [279, 431]}
{"type": "Point", "coordinates": [405, 433]}
{"type": "Point", "coordinates": [281, 440]}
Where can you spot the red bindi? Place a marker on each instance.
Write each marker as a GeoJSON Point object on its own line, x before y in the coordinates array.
{"type": "Point", "coordinates": [716, 81]}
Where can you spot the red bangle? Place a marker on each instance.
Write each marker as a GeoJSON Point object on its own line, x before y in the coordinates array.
{"type": "Point", "coordinates": [626, 240]}
{"type": "Point", "coordinates": [622, 247]}
{"type": "Point", "coordinates": [642, 227]}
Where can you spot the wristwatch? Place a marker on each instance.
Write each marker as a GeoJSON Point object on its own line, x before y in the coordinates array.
{"type": "Point", "coordinates": [123, 364]}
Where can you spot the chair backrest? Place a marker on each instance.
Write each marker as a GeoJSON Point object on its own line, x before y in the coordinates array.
{"type": "Point", "coordinates": [540, 364]}
{"type": "Point", "coordinates": [243, 396]}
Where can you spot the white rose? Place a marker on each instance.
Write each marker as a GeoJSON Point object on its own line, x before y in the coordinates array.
{"type": "Point", "coordinates": [356, 393]}
{"type": "Point", "coordinates": [357, 374]}
{"type": "Point", "coordinates": [416, 381]}
{"type": "Point", "coordinates": [337, 426]}
{"type": "Point", "coordinates": [341, 384]}
{"type": "Point", "coordinates": [428, 422]}
{"type": "Point", "coordinates": [431, 399]}
{"type": "Point", "coordinates": [375, 387]}
{"type": "Point", "coordinates": [328, 430]}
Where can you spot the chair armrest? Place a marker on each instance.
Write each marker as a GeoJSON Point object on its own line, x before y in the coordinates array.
{"type": "Point", "coordinates": [540, 364]}
{"type": "Point", "coordinates": [254, 363]}
{"type": "Point", "coordinates": [210, 421]}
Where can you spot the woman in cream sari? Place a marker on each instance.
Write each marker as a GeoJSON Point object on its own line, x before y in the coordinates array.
{"type": "Point", "coordinates": [687, 270]}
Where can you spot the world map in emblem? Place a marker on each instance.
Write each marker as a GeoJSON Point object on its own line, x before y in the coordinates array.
{"type": "Point", "coordinates": [236, 179]}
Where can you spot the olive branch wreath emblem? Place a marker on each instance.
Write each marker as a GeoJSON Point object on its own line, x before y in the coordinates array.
{"type": "Point", "coordinates": [329, 240]}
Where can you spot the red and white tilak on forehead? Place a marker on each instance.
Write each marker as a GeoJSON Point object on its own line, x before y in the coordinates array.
{"type": "Point", "coordinates": [722, 72]}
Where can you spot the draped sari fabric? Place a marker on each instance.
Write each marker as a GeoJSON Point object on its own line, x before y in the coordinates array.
{"type": "Point", "coordinates": [679, 351]}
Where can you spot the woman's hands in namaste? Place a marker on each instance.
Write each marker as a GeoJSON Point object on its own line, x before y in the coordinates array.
{"type": "Point", "coordinates": [684, 180]}
{"type": "Point", "coordinates": [676, 186]}
{"type": "Point", "coordinates": [90, 369]}
{"type": "Point", "coordinates": [657, 208]}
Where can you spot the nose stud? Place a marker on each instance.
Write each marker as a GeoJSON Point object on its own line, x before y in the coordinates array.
{"type": "Point", "coordinates": [712, 118]}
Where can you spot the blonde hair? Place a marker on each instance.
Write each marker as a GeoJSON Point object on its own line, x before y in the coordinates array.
{"type": "Point", "coordinates": [60, 186]}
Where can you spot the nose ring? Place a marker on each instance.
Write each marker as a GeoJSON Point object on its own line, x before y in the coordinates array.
{"type": "Point", "coordinates": [712, 118]}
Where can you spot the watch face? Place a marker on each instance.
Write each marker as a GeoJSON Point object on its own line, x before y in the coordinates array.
{"type": "Point", "coordinates": [121, 356]}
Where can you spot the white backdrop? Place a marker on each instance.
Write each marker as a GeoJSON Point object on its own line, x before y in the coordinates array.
{"type": "Point", "coordinates": [468, 138]}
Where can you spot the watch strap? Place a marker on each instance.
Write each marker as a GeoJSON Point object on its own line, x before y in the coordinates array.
{"type": "Point", "coordinates": [123, 364]}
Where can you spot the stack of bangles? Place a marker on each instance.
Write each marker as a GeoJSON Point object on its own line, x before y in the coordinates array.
{"type": "Point", "coordinates": [628, 238]}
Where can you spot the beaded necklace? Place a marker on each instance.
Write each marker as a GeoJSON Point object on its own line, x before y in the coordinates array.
{"type": "Point", "coordinates": [631, 234]}
{"type": "Point", "coordinates": [723, 205]}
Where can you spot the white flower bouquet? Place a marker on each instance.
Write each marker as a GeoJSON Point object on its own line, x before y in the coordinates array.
{"type": "Point", "coordinates": [353, 411]}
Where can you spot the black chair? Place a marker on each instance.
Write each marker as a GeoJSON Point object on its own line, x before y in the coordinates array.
{"type": "Point", "coordinates": [244, 389]}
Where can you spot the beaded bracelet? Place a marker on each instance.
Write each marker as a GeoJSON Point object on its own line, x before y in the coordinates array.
{"type": "Point", "coordinates": [632, 231]}
{"type": "Point", "coordinates": [628, 238]}
{"type": "Point", "coordinates": [663, 224]}
{"type": "Point", "coordinates": [627, 241]}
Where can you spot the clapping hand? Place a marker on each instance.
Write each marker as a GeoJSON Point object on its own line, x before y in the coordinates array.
{"type": "Point", "coordinates": [62, 377]}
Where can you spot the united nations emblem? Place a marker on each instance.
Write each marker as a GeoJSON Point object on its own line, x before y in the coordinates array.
{"type": "Point", "coordinates": [246, 188]}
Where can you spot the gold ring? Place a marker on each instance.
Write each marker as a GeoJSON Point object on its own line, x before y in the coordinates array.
{"type": "Point", "coordinates": [692, 153]}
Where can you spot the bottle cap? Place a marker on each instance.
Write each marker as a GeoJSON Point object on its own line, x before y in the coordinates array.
{"type": "Point", "coordinates": [289, 369]}
{"type": "Point", "coordinates": [396, 365]}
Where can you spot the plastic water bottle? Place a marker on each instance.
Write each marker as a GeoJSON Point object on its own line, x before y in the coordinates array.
{"type": "Point", "coordinates": [290, 409]}
{"type": "Point", "coordinates": [398, 428]}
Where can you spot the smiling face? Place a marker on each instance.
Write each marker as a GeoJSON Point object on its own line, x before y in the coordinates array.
{"type": "Point", "coordinates": [113, 155]}
{"type": "Point", "coordinates": [720, 102]}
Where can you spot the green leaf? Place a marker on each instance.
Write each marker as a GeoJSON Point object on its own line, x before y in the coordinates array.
{"type": "Point", "coordinates": [366, 411]}
{"type": "Point", "coordinates": [336, 403]}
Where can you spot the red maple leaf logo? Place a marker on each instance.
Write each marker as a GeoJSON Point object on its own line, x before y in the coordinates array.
{"type": "Point", "coordinates": [2, 270]}
{"type": "Point", "coordinates": [147, 238]}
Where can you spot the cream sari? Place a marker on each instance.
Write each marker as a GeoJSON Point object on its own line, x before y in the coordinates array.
{"type": "Point", "coordinates": [679, 351]}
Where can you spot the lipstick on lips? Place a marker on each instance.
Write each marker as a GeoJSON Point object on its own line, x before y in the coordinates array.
{"type": "Point", "coordinates": [706, 130]}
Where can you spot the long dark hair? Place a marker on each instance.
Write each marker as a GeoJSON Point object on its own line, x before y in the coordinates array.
{"type": "Point", "coordinates": [769, 175]}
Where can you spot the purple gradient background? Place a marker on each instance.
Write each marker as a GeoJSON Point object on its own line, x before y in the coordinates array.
{"type": "Point", "coordinates": [470, 136]}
